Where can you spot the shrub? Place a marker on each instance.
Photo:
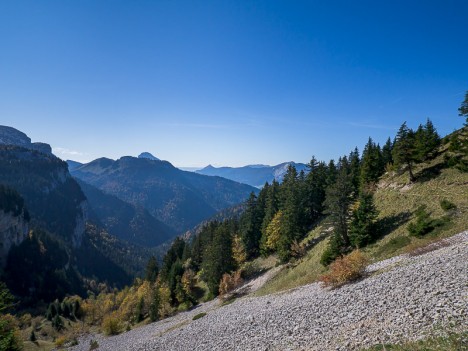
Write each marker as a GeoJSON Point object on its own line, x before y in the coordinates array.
{"type": "Point", "coordinates": [60, 341]}
{"type": "Point", "coordinates": [9, 334]}
{"type": "Point", "coordinates": [424, 224]}
{"type": "Point", "coordinates": [230, 282]}
{"type": "Point", "coordinates": [93, 345]}
{"type": "Point", "coordinates": [198, 316]}
{"type": "Point", "coordinates": [446, 205]}
{"type": "Point", "coordinates": [111, 325]}
{"type": "Point", "coordinates": [345, 269]}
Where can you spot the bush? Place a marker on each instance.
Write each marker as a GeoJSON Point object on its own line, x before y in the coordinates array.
{"type": "Point", "coordinates": [345, 269]}
{"type": "Point", "coordinates": [93, 345]}
{"type": "Point", "coordinates": [9, 334]}
{"type": "Point", "coordinates": [424, 223]}
{"type": "Point", "coordinates": [446, 205]}
{"type": "Point", "coordinates": [230, 282]}
{"type": "Point", "coordinates": [111, 325]}
{"type": "Point", "coordinates": [198, 316]}
{"type": "Point", "coordinates": [60, 341]}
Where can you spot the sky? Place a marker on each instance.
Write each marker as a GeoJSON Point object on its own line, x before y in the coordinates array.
{"type": "Point", "coordinates": [229, 83]}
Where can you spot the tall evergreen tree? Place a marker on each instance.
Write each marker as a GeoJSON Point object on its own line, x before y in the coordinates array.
{"type": "Point", "coordinates": [387, 152]}
{"type": "Point", "coordinates": [355, 168]}
{"type": "Point", "coordinates": [338, 199]}
{"type": "Point", "coordinates": [250, 227]}
{"type": "Point", "coordinates": [362, 228]}
{"type": "Point", "coordinates": [316, 183]}
{"type": "Point", "coordinates": [404, 149]}
{"type": "Point", "coordinates": [152, 270]}
{"type": "Point", "coordinates": [427, 141]}
{"type": "Point", "coordinates": [218, 258]}
{"type": "Point", "coordinates": [292, 216]}
{"type": "Point", "coordinates": [372, 166]}
{"type": "Point", "coordinates": [463, 110]}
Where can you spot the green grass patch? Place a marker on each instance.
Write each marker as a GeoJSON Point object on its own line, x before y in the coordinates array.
{"type": "Point", "coordinates": [198, 316]}
{"type": "Point", "coordinates": [393, 245]}
{"type": "Point", "coordinates": [451, 342]}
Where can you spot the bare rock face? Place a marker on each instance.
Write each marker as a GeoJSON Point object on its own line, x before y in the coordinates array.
{"type": "Point", "coordinates": [13, 230]}
{"type": "Point", "coordinates": [12, 136]}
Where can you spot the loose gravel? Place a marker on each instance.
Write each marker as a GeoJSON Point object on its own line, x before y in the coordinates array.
{"type": "Point", "coordinates": [404, 298]}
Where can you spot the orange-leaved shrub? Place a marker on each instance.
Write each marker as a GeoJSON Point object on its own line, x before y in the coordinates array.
{"type": "Point", "coordinates": [345, 269]}
{"type": "Point", "coordinates": [230, 282]}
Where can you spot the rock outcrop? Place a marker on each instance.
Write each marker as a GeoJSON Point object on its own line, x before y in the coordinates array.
{"type": "Point", "coordinates": [12, 136]}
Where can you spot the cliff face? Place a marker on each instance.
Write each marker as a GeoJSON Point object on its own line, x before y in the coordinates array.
{"type": "Point", "coordinates": [13, 231]}
{"type": "Point", "coordinates": [53, 198]}
{"type": "Point", "coordinates": [12, 136]}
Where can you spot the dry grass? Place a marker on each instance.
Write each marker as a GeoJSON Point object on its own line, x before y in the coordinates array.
{"type": "Point", "coordinates": [306, 270]}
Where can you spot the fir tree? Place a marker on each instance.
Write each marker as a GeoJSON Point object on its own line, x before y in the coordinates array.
{"type": "Point", "coordinates": [403, 152]}
{"type": "Point", "coordinates": [463, 110]}
{"type": "Point", "coordinates": [338, 199]}
{"type": "Point", "coordinates": [152, 270]}
{"type": "Point", "coordinates": [387, 158]}
{"type": "Point", "coordinates": [427, 142]}
{"type": "Point", "coordinates": [362, 227]}
{"type": "Point", "coordinates": [372, 163]}
{"type": "Point", "coordinates": [154, 306]}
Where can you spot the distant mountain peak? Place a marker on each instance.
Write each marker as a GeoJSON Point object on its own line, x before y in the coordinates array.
{"type": "Point", "coordinates": [148, 156]}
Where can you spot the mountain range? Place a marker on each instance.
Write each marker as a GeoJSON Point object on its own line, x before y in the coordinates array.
{"type": "Point", "coordinates": [254, 175]}
{"type": "Point", "coordinates": [177, 198]}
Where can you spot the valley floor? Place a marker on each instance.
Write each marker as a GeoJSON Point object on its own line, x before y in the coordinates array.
{"type": "Point", "coordinates": [403, 298]}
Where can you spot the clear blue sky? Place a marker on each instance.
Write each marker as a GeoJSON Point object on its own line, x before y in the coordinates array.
{"type": "Point", "coordinates": [228, 82]}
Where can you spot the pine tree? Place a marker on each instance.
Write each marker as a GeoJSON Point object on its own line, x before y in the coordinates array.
{"type": "Point", "coordinates": [271, 208]}
{"type": "Point", "coordinates": [338, 199]}
{"type": "Point", "coordinates": [250, 227]}
{"type": "Point", "coordinates": [316, 183]}
{"type": "Point", "coordinates": [372, 163]}
{"type": "Point", "coordinates": [387, 158]}
{"type": "Point", "coordinates": [403, 152]}
{"type": "Point", "coordinates": [362, 227]}
{"type": "Point", "coordinates": [217, 259]}
{"type": "Point", "coordinates": [154, 306]}
{"type": "Point", "coordinates": [463, 110]}
{"type": "Point", "coordinates": [427, 141]}
{"type": "Point", "coordinates": [152, 270]}
{"type": "Point", "coordinates": [292, 216]}
{"type": "Point", "coordinates": [355, 168]}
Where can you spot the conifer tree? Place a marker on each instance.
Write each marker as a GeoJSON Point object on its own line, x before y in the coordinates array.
{"type": "Point", "coordinates": [387, 152]}
{"type": "Point", "coordinates": [403, 152]}
{"type": "Point", "coordinates": [155, 303]}
{"type": "Point", "coordinates": [463, 110]}
{"type": "Point", "coordinates": [372, 166]}
{"type": "Point", "coordinates": [271, 208]}
{"type": "Point", "coordinates": [338, 199]}
{"type": "Point", "coordinates": [292, 216]}
{"type": "Point", "coordinates": [426, 141]}
{"type": "Point", "coordinates": [250, 227]}
{"type": "Point", "coordinates": [218, 258]}
{"type": "Point", "coordinates": [152, 270]}
{"type": "Point", "coordinates": [362, 228]}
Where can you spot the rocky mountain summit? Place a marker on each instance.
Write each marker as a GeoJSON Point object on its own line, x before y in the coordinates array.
{"type": "Point", "coordinates": [403, 298]}
{"type": "Point", "coordinates": [148, 156]}
{"type": "Point", "coordinates": [12, 136]}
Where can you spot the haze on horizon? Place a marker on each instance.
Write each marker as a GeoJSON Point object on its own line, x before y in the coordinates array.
{"type": "Point", "coordinates": [226, 82]}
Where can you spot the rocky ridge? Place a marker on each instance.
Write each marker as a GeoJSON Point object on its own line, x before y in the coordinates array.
{"type": "Point", "coordinates": [12, 136]}
{"type": "Point", "coordinates": [404, 298]}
